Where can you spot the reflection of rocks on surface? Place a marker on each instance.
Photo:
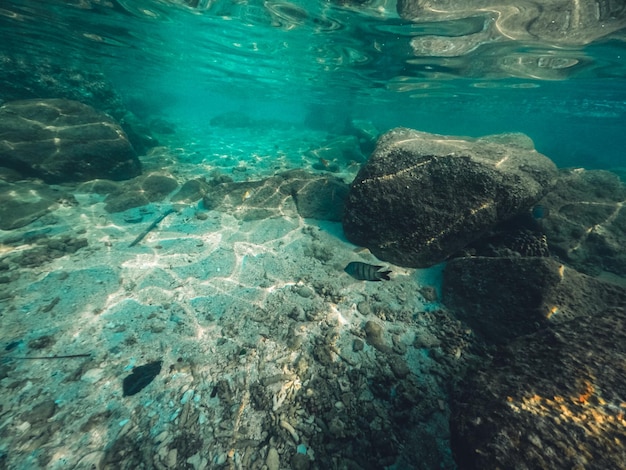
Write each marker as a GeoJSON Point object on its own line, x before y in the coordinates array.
{"type": "Point", "coordinates": [60, 140]}
{"type": "Point", "coordinates": [557, 21]}
{"type": "Point", "coordinates": [421, 197]}
{"type": "Point", "coordinates": [308, 195]}
{"type": "Point", "coordinates": [490, 35]}
{"type": "Point", "coordinates": [585, 221]}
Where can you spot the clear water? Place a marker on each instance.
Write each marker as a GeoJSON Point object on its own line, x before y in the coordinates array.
{"type": "Point", "coordinates": [198, 290]}
{"type": "Point", "coordinates": [191, 60]}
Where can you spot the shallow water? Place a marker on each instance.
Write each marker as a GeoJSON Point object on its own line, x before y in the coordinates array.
{"type": "Point", "coordinates": [477, 71]}
{"type": "Point", "coordinates": [268, 354]}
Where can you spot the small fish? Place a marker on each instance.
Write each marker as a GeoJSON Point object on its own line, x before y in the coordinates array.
{"type": "Point", "coordinates": [367, 272]}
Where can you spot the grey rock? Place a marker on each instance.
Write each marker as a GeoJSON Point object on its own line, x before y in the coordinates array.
{"type": "Point", "coordinates": [553, 399]}
{"type": "Point", "coordinates": [504, 298]}
{"type": "Point", "coordinates": [60, 141]}
{"type": "Point", "coordinates": [584, 219]}
{"type": "Point", "coordinates": [290, 193]}
{"type": "Point", "coordinates": [422, 197]}
{"type": "Point", "coordinates": [25, 201]}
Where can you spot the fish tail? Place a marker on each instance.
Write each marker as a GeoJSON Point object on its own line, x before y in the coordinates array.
{"type": "Point", "coordinates": [384, 275]}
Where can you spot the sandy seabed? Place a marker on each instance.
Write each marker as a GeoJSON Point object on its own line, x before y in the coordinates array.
{"type": "Point", "coordinates": [272, 356]}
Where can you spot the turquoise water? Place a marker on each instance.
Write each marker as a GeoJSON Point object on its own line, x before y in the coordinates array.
{"type": "Point", "coordinates": [195, 332]}
{"type": "Point", "coordinates": [189, 61]}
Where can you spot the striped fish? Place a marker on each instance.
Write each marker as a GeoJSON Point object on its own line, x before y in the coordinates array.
{"type": "Point", "coordinates": [366, 272]}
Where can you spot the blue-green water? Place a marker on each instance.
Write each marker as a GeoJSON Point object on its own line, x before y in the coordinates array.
{"type": "Point", "coordinates": [271, 354]}
{"type": "Point", "coordinates": [471, 72]}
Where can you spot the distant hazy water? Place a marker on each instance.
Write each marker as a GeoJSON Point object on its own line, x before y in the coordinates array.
{"type": "Point", "coordinates": [479, 70]}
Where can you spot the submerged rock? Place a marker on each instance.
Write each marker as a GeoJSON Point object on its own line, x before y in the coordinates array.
{"type": "Point", "coordinates": [553, 399]}
{"type": "Point", "coordinates": [290, 193]}
{"type": "Point", "coordinates": [422, 197]}
{"type": "Point", "coordinates": [504, 298]}
{"type": "Point", "coordinates": [585, 220]}
{"type": "Point", "coordinates": [25, 201]}
{"type": "Point", "coordinates": [60, 141]}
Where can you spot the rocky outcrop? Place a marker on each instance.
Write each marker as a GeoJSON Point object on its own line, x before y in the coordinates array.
{"type": "Point", "coordinates": [550, 396]}
{"type": "Point", "coordinates": [584, 219]}
{"type": "Point", "coordinates": [287, 194]}
{"type": "Point", "coordinates": [505, 298]}
{"type": "Point", "coordinates": [60, 141]}
{"type": "Point", "coordinates": [24, 202]}
{"type": "Point", "coordinates": [422, 197]}
{"type": "Point", "coordinates": [553, 399]}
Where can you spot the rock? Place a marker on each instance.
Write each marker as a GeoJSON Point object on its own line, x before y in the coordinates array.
{"type": "Point", "coordinates": [584, 219]}
{"type": "Point", "coordinates": [231, 120]}
{"type": "Point", "coordinates": [422, 197]}
{"type": "Point", "coordinates": [41, 412]}
{"type": "Point", "coordinates": [374, 336]}
{"type": "Point", "coordinates": [290, 193]}
{"type": "Point", "coordinates": [141, 377]}
{"type": "Point", "coordinates": [25, 201]}
{"type": "Point", "coordinates": [503, 298]}
{"type": "Point", "coordinates": [553, 399]}
{"type": "Point", "coordinates": [366, 132]}
{"type": "Point", "coordinates": [272, 461]}
{"type": "Point", "coordinates": [339, 150]}
{"type": "Point", "coordinates": [60, 141]}
{"type": "Point", "coordinates": [191, 191]}
{"type": "Point", "coordinates": [137, 192]}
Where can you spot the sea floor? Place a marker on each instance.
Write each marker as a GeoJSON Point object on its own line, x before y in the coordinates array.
{"type": "Point", "coordinates": [270, 355]}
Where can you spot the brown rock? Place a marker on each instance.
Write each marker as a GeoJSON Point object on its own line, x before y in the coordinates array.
{"type": "Point", "coordinates": [60, 140]}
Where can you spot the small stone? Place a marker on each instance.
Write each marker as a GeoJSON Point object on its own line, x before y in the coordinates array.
{"type": "Point", "coordinates": [426, 340]}
{"type": "Point", "coordinates": [364, 308]}
{"type": "Point", "coordinates": [300, 462]}
{"type": "Point", "coordinates": [297, 313]}
{"type": "Point", "coordinates": [429, 293]}
{"type": "Point", "coordinates": [304, 291]}
{"type": "Point", "coordinates": [41, 412]}
{"type": "Point", "coordinates": [374, 336]}
{"type": "Point", "coordinates": [399, 368]}
{"type": "Point", "coordinates": [92, 375]}
{"type": "Point", "coordinates": [170, 460]}
{"type": "Point", "coordinates": [272, 460]}
{"type": "Point", "coordinates": [358, 345]}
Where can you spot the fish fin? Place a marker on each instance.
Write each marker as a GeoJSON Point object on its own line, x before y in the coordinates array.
{"type": "Point", "coordinates": [384, 275]}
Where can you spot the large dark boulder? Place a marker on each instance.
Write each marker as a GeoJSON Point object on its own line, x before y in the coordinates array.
{"type": "Point", "coordinates": [422, 197]}
{"type": "Point", "coordinates": [505, 298]}
{"type": "Point", "coordinates": [553, 399]}
{"type": "Point", "coordinates": [584, 219]}
{"type": "Point", "coordinates": [551, 395]}
{"type": "Point", "coordinates": [60, 141]}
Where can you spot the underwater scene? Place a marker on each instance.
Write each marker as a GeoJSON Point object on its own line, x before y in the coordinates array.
{"type": "Point", "coordinates": [312, 234]}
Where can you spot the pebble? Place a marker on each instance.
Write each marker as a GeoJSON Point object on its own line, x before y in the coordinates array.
{"type": "Point", "coordinates": [374, 336]}
{"type": "Point", "coordinates": [304, 291]}
{"type": "Point", "coordinates": [92, 375]}
{"type": "Point", "coordinates": [187, 396]}
{"type": "Point", "coordinates": [170, 460]}
{"type": "Point", "coordinates": [272, 460]}
{"type": "Point", "coordinates": [300, 462]}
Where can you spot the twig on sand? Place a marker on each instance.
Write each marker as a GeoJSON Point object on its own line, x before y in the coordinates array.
{"type": "Point", "coordinates": [24, 358]}
{"type": "Point", "coordinates": [151, 227]}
